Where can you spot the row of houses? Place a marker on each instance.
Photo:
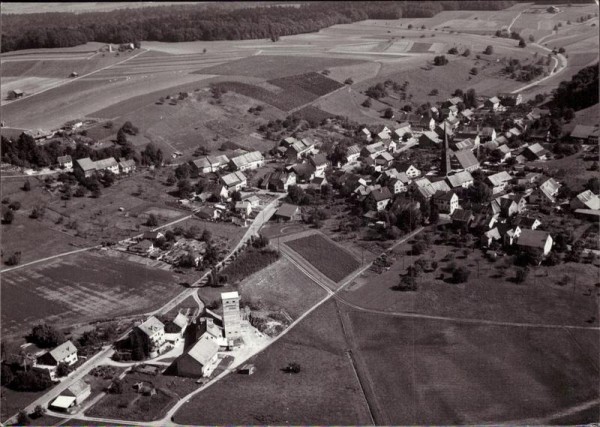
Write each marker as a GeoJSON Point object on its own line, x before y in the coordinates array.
{"type": "Point", "coordinates": [90, 167]}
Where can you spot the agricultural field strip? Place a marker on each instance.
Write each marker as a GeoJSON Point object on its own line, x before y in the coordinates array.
{"type": "Point", "coordinates": [65, 82]}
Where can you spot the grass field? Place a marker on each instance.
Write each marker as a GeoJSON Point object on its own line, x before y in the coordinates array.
{"type": "Point", "coordinates": [281, 286]}
{"type": "Point", "coordinates": [330, 259]}
{"type": "Point", "coordinates": [428, 372]}
{"type": "Point", "coordinates": [541, 299]}
{"type": "Point", "coordinates": [81, 288]}
{"type": "Point", "coordinates": [13, 401]}
{"type": "Point", "coordinates": [325, 392]}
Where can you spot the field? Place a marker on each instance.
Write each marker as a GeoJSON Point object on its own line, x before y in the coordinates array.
{"type": "Point", "coordinates": [131, 405]}
{"type": "Point", "coordinates": [327, 257]}
{"type": "Point", "coordinates": [281, 286]}
{"type": "Point", "coordinates": [13, 401]}
{"type": "Point", "coordinates": [543, 298]}
{"type": "Point", "coordinates": [81, 288]}
{"type": "Point", "coordinates": [325, 392]}
{"type": "Point", "coordinates": [428, 372]}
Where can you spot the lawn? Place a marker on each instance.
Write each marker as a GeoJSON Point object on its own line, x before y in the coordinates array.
{"type": "Point", "coordinates": [13, 401]}
{"type": "Point", "coordinates": [281, 286]}
{"type": "Point", "coordinates": [428, 372]}
{"type": "Point", "coordinates": [325, 392]}
{"type": "Point", "coordinates": [81, 288]}
{"type": "Point", "coordinates": [285, 100]}
{"type": "Point", "coordinates": [131, 405]}
{"type": "Point", "coordinates": [543, 298]}
{"type": "Point", "coordinates": [327, 257]}
{"type": "Point", "coordinates": [312, 82]}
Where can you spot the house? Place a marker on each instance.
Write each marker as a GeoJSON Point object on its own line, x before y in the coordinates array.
{"type": "Point", "coordinates": [504, 151]}
{"type": "Point", "coordinates": [397, 186]}
{"type": "Point", "coordinates": [80, 390]}
{"type": "Point", "coordinates": [588, 214]}
{"type": "Point", "coordinates": [108, 164]}
{"type": "Point", "coordinates": [466, 114]}
{"type": "Point", "coordinates": [536, 241]}
{"type": "Point", "coordinates": [86, 165]}
{"type": "Point", "coordinates": [366, 135]}
{"type": "Point", "coordinates": [15, 94]}
{"type": "Point", "coordinates": [490, 236]}
{"type": "Point", "coordinates": [446, 202]}
{"type": "Point", "coordinates": [464, 160]}
{"type": "Point", "coordinates": [520, 200]}
{"type": "Point", "coordinates": [63, 404]}
{"type": "Point", "coordinates": [487, 134]}
{"type": "Point", "coordinates": [585, 134]}
{"type": "Point", "coordinates": [299, 149]}
{"type": "Point", "coordinates": [408, 168]}
{"type": "Point", "coordinates": [508, 207]}
{"type": "Point", "coordinates": [304, 172]}
{"type": "Point", "coordinates": [245, 161]}
{"type": "Point", "coordinates": [200, 360]}
{"type": "Point", "coordinates": [384, 159]}
{"type": "Point", "coordinates": [381, 197]}
{"type": "Point", "coordinates": [352, 153]}
{"type": "Point", "coordinates": [462, 179]}
{"type": "Point", "coordinates": [280, 180]}
{"type": "Point", "coordinates": [454, 101]}
{"type": "Point", "coordinates": [127, 166]}
{"type": "Point", "coordinates": [154, 330]}
{"type": "Point", "coordinates": [287, 212]}
{"type": "Point", "coordinates": [526, 222]}
{"type": "Point", "coordinates": [535, 152]}
{"type": "Point", "coordinates": [462, 218]}
{"type": "Point", "coordinates": [214, 189]}
{"type": "Point", "coordinates": [175, 328]}
{"type": "Point", "coordinates": [546, 193]}
{"type": "Point", "coordinates": [499, 181]}
{"type": "Point", "coordinates": [247, 369]}
{"type": "Point", "coordinates": [234, 181]}
{"type": "Point", "coordinates": [65, 353]}
{"type": "Point", "coordinates": [317, 183]}
{"type": "Point", "coordinates": [508, 232]}
{"type": "Point", "coordinates": [243, 208]}
{"type": "Point", "coordinates": [429, 139]}
{"type": "Point", "coordinates": [586, 200]}
{"type": "Point", "coordinates": [144, 247]}
{"type": "Point", "coordinates": [492, 103]}
{"type": "Point", "coordinates": [373, 150]}
{"type": "Point", "coordinates": [65, 162]}
{"type": "Point", "coordinates": [319, 161]}
{"type": "Point", "coordinates": [403, 129]}
{"type": "Point", "coordinates": [153, 236]}
{"type": "Point", "coordinates": [510, 99]}
{"type": "Point", "coordinates": [465, 144]}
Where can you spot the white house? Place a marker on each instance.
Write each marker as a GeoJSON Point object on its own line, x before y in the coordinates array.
{"type": "Point", "coordinates": [446, 203]}
{"type": "Point", "coordinates": [234, 181]}
{"type": "Point", "coordinates": [154, 329]}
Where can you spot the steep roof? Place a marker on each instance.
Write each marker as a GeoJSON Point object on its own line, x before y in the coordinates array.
{"type": "Point", "coordinates": [244, 159]}
{"type": "Point", "coordinates": [180, 320]}
{"type": "Point", "coordinates": [381, 194]}
{"type": "Point", "coordinates": [374, 148]}
{"type": "Point", "coordinates": [151, 325]}
{"type": "Point", "coordinates": [287, 210]}
{"type": "Point", "coordinates": [233, 178]}
{"type": "Point", "coordinates": [204, 350]}
{"type": "Point", "coordinates": [109, 162]}
{"type": "Point", "coordinates": [353, 149]}
{"type": "Point", "coordinates": [466, 158]}
{"type": "Point", "coordinates": [462, 215]}
{"type": "Point", "coordinates": [86, 164]}
{"type": "Point", "coordinates": [584, 131]}
{"type": "Point", "coordinates": [318, 160]}
{"type": "Point", "coordinates": [127, 163]}
{"type": "Point", "coordinates": [64, 159]}
{"type": "Point", "coordinates": [533, 238]}
{"type": "Point", "coordinates": [589, 199]}
{"type": "Point", "coordinates": [79, 387]}
{"type": "Point", "coordinates": [458, 179]}
{"type": "Point", "coordinates": [499, 178]}
{"type": "Point", "coordinates": [63, 350]}
{"type": "Point", "coordinates": [549, 187]}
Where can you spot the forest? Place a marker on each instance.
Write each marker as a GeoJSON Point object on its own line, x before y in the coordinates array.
{"type": "Point", "coordinates": [580, 92]}
{"type": "Point", "coordinates": [208, 22]}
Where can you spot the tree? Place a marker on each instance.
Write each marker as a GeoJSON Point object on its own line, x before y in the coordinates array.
{"type": "Point", "coordinates": [236, 196]}
{"type": "Point", "coordinates": [293, 368]}
{"type": "Point", "coordinates": [419, 248]}
{"type": "Point", "coordinates": [206, 236]}
{"type": "Point", "coordinates": [521, 275]}
{"type": "Point", "coordinates": [6, 375]}
{"type": "Point", "coordinates": [80, 192]}
{"type": "Point", "coordinates": [561, 50]}
{"type": "Point", "coordinates": [489, 50]}
{"type": "Point", "coordinates": [466, 53]}
{"type": "Point", "coordinates": [367, 103]}
{"type": "Point", "coordinates": [184, 188]}
{"type": "Point", "coordinates": [182, 171]}
{"type": "Point", "coordinates": [23, 418]}
{"type": "Point", "coordinates": [14, 259]}
{"type": "Point", "coordinates": [440, 60]}
{"type": "Point", "coordinates": [460, 274]}
{"type": "Point", "coordinates": [407, 283]}
{"type": "Point", "coordinates": [474, 71]}
{"type": "Point", "coordinates": [593, 184]}
{"type": "Point", "coordinates": [348, 81]}
{"type": "Point", "coordinates": [8, 218]}
{"type": "Point", "coordinates": [27, 185]}
{"type": "Point", "coordinates": [96, 192]}
{"type": "Point", "coordinates": [531, 38]}
{"type": "Point", "coordinates": [62, 370]}
{"type": "Point", "coordinates": [434, 92]}
{"type": "Point", "coordinates": [46, 336]}
{"type": "Point", "coordinates": [569, 114]}
{"type": "Point", "coordinates": [116, 386]}
{"type": "Point", "coordinates": [389, 113]}
{"type": "Point", "coordinates": [121, 137]}
{"type": "Point", "coordinates": [480, 192]}
{"type": "Point", "coordinates": [108, 178]}
{"type": "Point", "coordinates": [152, 220]}
{"type": "Point", "coordinates": [522, 43]}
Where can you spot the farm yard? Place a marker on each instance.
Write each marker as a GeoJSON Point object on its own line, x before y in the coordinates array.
{"type": "Point", "coordinates": [327, 257]}
{"type": "Point", "coordinates": [81, 288]}
{"type": "Point", "coordinates": [325, 392]}
{"type": "Point", "coordinates": [474, 374]}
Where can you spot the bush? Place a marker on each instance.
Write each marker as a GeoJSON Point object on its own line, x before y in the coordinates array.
{"type": "Point", "coordinates": [45, 336]}
{"type": "Point", "coordinates": [39, 411]}
{"type": "Point", "coordinates": [23, 418]}
{"type": "Point", "coordinates": [440, 60]}
{"type": "Point", "coordinates": [419, 248]}
{"type": "Point", "coordinates": [31, 380]}
{"type": "Point", "coordinates": [27, 186]}
{"type": "Point", "coordinates": [453, 51]}
{"type": "Point", "coordinates": [521, 275]}
{"type": "Point", "coordinates": [367, 103]}
{"type": "Point", "coordinates": [14, 259]}
{"type": "Point", "coordinates": [152, 221]}
{"type": "Point", "coordinates": [489, 50]}
{"type": "Point", "coordinates": [293, 368]}
{"type": "Point", "coordinates": [8, 217]}
{"type": "Point", "coordinates": [474, 71]}
{"type": "Point", "coordinates": [348, 81]}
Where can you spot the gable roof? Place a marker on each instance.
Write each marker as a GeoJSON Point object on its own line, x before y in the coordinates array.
{"type": "Point", "coordinates": [106, 163]}
{"type": "Point", "coordinates": [549, 187]}
{"type": "Point", "coordinates": [458, 179]}
{"type": "Point", "coordinates": [318, 160]}
{"type": "Point", "coordinates": [180, 320]}
{"type": "Point", "coordinates": [462, 215]}
{"type": "Point", "coordinates": [65, 349]}
{"type": "Point", "coordinates": [381, 194]}
{"type": "Point", "coordinates": [127, 163]}
{"type": "Point", "coordinates": [63, 159]}
{"type": "Point", "coordinates": [244, 159]}
{"type": "Point", "coordinates": [353, 149]}
{"type": "Point", "coordinates": [151, 325]}
{"type": "Point", "coordinates": [466, 158]}
{"type": "Point", "coordinates": [204, 350]}
{"type": "Point", "coordinates": [79, 387]}
{"type": "Point", "coordinates": [499, 178]}
{"type": "Point", "coordinates": [86, 164]}
{"type": "Point", "coordinates": [233, 178]}
{"type": "Point", "coordinates": [589, 199]}
{"type": "Point", "coordinates": [584, 131]}
{"type": "Point", "coordinates": [287, 210]}
{"type": "Point", "coordinates": [533, 238]}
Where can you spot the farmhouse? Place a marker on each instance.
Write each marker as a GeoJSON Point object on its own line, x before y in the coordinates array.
{"type": "Point", "coordinates": [234, 181]}
{"type": "Point", "coordinates": [319, 162]}
{"type": "Point", "coordinates": [499, 181]}
{"type": "Point", "coordinates": [409, 169]}
{"type": "Point", "coordinates": [492, 103]}
{"type": "Point", "coordinates": [80, 390]}
{"type": "Point", "coordinates": [373, 150]}
{"type": "Point", "coordinates": [127, 166]}
{"type": "Point", "coordinates": [510, 99]}
{"type": "Point", "coordinates": [462, 218]}
{"type": "Point", "coordinates": [280, 180]}
{"type": "Point", "coordinates": [65, 353]}
{"type": "Point", "coordinates": [365, 134]}
{"type": "Point", "coordinates": [585, 200]}
{"type": "Point", "coordinates": [299, 149]}
{"type": "Point", "coordinates": [175, 328]}
{"type": "Point", "coordinates": [245, 161]}
{"type": "Point", "coordinates": [287, 212]}
{"type": "Point", "coordinates": [585, 134]}
{"type": "Point", "coordinates": [464, 160]}
{"type": "Point", "coordinates": [65, 162]}
{"type": "Point", "coordinates": [15, 94]}
{"type": "Point", "coordinates": [200, 360]}
{"type": "Point", "coordinates": [535, 241]}
{"type": "Point", "coordinates": [446, 203]}
{"type": "Point", "coordinates": [535, 152]}
{"type": "Point", "coordinates": [381, 197]}
{"type": "Point", "coordinates": [352, 153]}
{"type": "Point", "coordinates": [460, 179]}
{"type": "Point", "coordinates": [154, 330]}
{"type": "Point", "coordinates": [429, 139]}
{"type": "Point", "coordinates": [86, 165]}
{"type": "Point", "coordinates": [209, 163]}
{"type": "Point", "coordinates": [545, 193]}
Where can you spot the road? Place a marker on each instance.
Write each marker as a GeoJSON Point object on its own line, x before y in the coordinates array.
{"type": "Point", "coordinates": [513, 22]}
{"type": "Point", "coordinates": [104, 355]}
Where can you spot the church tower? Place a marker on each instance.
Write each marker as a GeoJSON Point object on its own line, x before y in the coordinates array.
{"type": "Point", "coordinates": [445, 167]}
